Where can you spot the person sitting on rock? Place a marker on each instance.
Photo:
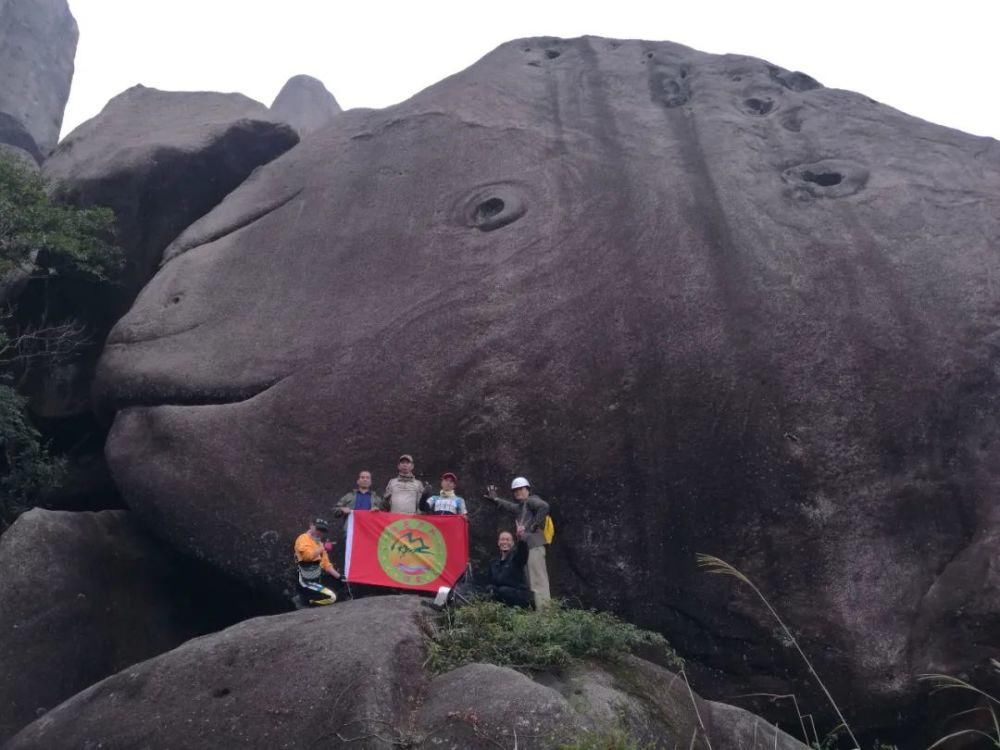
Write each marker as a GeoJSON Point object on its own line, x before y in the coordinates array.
{"type": "Point", "coordinates": [447, 502]}
{"type": "Point", "coordinates": [531, 512]}
{"type": "Point", "coordinates": [311, 555]}
{"type": "Point", "coordinates": [508, 584]}
{"type": "Point", "coordinates": [362, 497]}
{"type": "Point", "coordinates": [404, 492]}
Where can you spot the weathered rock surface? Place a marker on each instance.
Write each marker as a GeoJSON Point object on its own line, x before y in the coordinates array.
{"type": "Point", "coordinates": [305, 104]}
{"type": "Point", "coordinates": [82, 595]}
{"type": "Point", "coordinates": [353, 673]}
{"type": "Point", "coordinates": [705, 304]}
{"type": "Point", "coordinates": [161, 160]}
{"type": "Point", "coordinates": [37, 48]}
{"type": "Point", "coordinates": [16, 141]}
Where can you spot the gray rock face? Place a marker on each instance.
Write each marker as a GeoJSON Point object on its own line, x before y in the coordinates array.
{"type": "Point", "coordinates": [305, 104]}
{"type": "Point", "coordinates": [82, 595]}
{"type": "Point", "coordinates": [161, 160]}
{"type": "Point", "coordinates": [37, 47]}
{"type": "Point", "coordinates": [353, 673]}
{"type": "Point", "coordinates": [703, 303]}
{"type": "Point", "coordinates": [17, 141]}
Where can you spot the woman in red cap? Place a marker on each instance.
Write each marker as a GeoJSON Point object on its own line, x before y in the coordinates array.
{"type": "Point", "coordinates": [447, 502]}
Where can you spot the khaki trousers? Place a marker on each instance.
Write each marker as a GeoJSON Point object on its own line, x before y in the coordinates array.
{"type": "Point", "coordinates": [538, 576]}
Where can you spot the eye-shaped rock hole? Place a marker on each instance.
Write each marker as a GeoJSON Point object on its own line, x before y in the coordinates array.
{"type": "Point", "coordinates": [221, 692]}
{"type": "Point", "coordinates": [759, 107]}
{"type": "Point", "coordinates": [649, 55]}
{"type": "Point", "coordinates": [825, 179]}
{"type": "Point", "coordinates": [488, 209]}
{"type": "Point", "coordinates": [552, 54]}
{"type": "Point", "coordinates": [175, 300]}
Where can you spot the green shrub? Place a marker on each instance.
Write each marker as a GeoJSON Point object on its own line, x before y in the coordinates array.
{"type": "Point", "coordinates": [41, 234]}
{"type": "Point", "coordinates": [554, 637]}
{"type": "Point", "coordinates": [40, 239]}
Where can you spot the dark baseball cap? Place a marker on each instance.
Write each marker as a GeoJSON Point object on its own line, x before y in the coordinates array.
{"type": "Point", "coordinates": [321, 524]}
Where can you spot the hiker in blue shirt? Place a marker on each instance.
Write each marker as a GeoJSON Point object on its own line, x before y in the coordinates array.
{"type": "Point", "coordinates": [447, 502]}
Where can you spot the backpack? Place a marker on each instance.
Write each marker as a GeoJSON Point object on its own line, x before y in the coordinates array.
{"type": "Point", "coordinates": [549, 531]}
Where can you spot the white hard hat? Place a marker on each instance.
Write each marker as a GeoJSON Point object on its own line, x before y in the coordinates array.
{"type": "Point", "coordinates": [519, 482]}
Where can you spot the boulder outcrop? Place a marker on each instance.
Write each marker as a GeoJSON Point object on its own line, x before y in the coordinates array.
{"type": "Point", "coordinates": [353, 674]}
{"type": "Point", "coordinates": [160, 160]}
{"type": "Point", "coordinates": [705, 304]}
{"type": "Point", "coordinates": [37, 48]}
{"type": "Point", "coordinates": [305, 104]}
{"type": "Point", "coordinates": [82, 595]}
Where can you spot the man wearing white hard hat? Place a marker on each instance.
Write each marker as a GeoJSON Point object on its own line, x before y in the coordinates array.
{"type": "Point", "coordinates": [530, 511]}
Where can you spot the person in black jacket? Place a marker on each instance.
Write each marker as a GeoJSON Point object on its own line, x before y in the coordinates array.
{"type": "Point", "coordinates": [507, 580]}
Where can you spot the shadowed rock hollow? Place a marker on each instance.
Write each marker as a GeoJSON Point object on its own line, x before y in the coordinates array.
{"type": "Point", "coordinates": [705, 303]}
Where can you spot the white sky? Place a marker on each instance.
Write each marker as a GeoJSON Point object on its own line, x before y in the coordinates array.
{"type": "Point", "coordinates": [937, 60]}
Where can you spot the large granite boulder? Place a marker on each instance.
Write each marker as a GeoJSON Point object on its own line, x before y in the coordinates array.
{"type": "Point", "coordinates": [705, 304]}
{"type": "Point", "coordinates": [161, 160]}
{"type": "Point", "coordinates": [305, 104]}
{"type": "Point", "coordinates": [353, 675]}
{"type": "Point", "coordinates": [37, 48]}
{"type": "Point", "coordinates": [82, 595]}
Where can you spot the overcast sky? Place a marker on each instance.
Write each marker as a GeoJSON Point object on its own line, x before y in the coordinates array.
{"type": "Point", "coordinates": [936, 60]}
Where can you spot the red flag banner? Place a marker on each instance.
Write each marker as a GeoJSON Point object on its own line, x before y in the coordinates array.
{"type": "Point", "coordinates": [403, 551]}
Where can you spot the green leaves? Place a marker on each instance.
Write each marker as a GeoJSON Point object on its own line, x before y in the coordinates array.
{"type": "Point", "coordinates": [40, 234]}
{"type": "Point", "coordinates": [40, 238]}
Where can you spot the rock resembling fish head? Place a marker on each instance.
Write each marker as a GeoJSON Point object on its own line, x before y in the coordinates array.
{"type": "Point", "coordinates": [705, 303]}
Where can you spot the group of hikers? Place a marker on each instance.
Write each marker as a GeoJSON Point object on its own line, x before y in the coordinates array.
{"type": "Point", "coordinates": [518, 577]}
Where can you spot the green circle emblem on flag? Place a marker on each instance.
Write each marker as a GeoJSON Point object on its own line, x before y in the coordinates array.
{"type": "Point", "coordinates": [412, 552]}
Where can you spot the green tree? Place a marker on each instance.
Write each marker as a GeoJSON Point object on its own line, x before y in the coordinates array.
{"type": "Point", "coordinates": [39, 240]}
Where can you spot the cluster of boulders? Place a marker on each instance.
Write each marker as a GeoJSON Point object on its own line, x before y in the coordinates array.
{"type": "Point", "coordinates": [707, 304]}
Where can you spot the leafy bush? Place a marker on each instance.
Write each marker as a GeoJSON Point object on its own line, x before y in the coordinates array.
{"type": "Point", "coordinates": [554, 637]}
{"type": "Point", "coordinates": [42, 235]}
{"type": "Point", "coordinates": [40, 239]}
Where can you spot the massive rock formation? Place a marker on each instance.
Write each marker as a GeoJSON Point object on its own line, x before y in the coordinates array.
{"type": "Point", "coordinates": [354, 673]}
{"type": "Point", "coordinates": [305, 104]}
{"type": "Point", "coordinates": [160, 160]}
{"type": "Point", "coordinates": [37, 47]}
{"type": "Point", "coordinates": [706, 304]}
{"type": "Point", "coordinates": [82, 595]}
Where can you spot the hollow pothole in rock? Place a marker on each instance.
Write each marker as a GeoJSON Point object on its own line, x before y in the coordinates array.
{"type": "Point", "coordinates": [492, 206]}
{"type": "Point", "coordinates": [758, 106]}
{"type": "Point", "coordinates": [827, 178]}
{"type": "Point", "coordinates": [824, 179]}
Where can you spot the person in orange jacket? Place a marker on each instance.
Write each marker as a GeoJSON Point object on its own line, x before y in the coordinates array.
{"type": "Point", "coordinates": [312, 556]}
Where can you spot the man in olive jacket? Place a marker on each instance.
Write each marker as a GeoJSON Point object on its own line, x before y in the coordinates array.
{"type": "Point", "coordinates": [362, 497]}
{"type": "Point", "coordinates": [530, 511]}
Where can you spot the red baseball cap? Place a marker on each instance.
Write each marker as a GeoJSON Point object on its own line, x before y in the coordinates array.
{"type": "Point", "coordinates": [451, 476]}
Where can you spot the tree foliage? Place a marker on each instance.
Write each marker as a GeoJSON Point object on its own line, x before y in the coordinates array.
{"type": "Point", "coordinates": [40, 238]}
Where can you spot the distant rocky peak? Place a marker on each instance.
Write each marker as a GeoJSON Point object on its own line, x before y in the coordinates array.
{"type": "Point", "coordinates": [305, 104]}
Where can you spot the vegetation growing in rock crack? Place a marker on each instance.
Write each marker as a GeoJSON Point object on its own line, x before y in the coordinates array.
{"type": "Point", "coordinates": [554, 637]}
{"type": "Point", "coordinates": [39, 240]}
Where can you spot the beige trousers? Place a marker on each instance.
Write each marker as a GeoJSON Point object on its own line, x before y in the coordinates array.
{"type": "Point", "coordinates": [538, 576]}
